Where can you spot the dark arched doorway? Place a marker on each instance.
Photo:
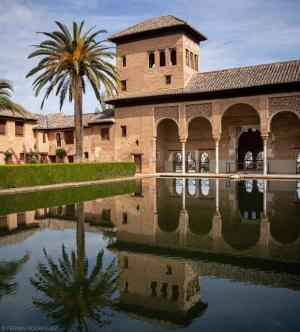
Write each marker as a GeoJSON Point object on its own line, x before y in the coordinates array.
{"type": "Point", "coordinates": [249, 151]}
{"type": "Point", "coordinates": [168, 147]}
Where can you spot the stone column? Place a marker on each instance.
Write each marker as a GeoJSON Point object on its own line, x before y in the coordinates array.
{"type": "Point", "coordinates": [217, 195]}
{"type": "Point", "coordinates": [154, 161]}
{"type": "Point", "coordinates": [265, 141]}
{"type": "Point", "coordinates": [183, 193]}
{"type": "Point", "coordinates": [217, 155]}
{"type": "Point", "coordinates": [183, 156]}
{"type": "Point", "coordinates": [265, 198]}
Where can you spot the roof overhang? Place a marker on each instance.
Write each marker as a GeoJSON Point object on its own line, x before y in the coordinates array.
{"type": "Point", "coordinates": [196, 35]}
{"type": "Point", "coordinates": [190, 96]}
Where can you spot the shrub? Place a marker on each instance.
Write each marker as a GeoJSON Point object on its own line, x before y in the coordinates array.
{"type": "Point", "coordinates": [31, 157]}
{"type": "Point", "coordinates": [12, 176]}
{"type": "Point", "coordinates": [60, 153]}
{"type": "Point", "coordinates": [8, 156]}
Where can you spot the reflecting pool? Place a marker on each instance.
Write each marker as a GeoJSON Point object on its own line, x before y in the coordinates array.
{"type": "Point", "coordinates": [152, 255]}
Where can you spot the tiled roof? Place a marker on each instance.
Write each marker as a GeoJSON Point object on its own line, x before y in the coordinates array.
{"type": "Point", "coordinates": [156, 24]}
{"type": "Point", "coordinates": [11, 114]}
{"type": "Point", "coordinates": [62, 121]}
{"type": "Point", "coordinates": [102, 117]}
{"type": "Point", "coordinates": [229, 79]}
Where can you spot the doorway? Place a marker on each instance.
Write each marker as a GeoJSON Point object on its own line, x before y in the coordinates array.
{"type": "Point", "coordinates": [250, 147]}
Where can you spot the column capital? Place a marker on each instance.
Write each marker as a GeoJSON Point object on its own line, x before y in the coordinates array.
{"type": "Point", "coordinates": [183, 140]}
{"type": "Point", "coordinates": [265, 136]}
{"type": "Point", "coordinates": [217, 138]}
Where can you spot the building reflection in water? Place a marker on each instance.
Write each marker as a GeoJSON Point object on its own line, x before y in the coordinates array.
{"type": "Point", "coordinates": [171, 232]}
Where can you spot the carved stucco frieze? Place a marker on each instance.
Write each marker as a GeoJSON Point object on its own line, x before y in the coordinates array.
{"type": "Point", "coordinates": [284, 103]}
{"type": "Point", "coordinates": [166, 112]}
{"type": "Point", "coordinates": [195, 110]}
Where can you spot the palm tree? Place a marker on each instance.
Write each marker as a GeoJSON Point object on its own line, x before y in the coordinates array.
{"type": "Point", "coordinates": [103, 107]}
{"type": "Point", "coordinates": [72, 294]}
{"type": "Point", "coordinates": [8, 271]}
{"type": "Point", "coordinates": [6, 103]}
{"type": "Point", "coordinates": [68, 61]}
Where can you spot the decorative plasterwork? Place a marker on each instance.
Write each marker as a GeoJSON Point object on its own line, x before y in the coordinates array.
{"type": "Point", "coordinates": [284, 103]}
{"type": "Point", "coordinates": [166, 112]}
{"type": "Point", "coordinates": [196, 110]}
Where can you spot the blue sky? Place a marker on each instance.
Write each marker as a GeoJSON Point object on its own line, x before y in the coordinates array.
{"type": "Point", "coordinates": [240, 32]}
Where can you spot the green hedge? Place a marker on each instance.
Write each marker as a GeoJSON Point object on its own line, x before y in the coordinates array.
{"type": "Point", "coordinates": [13, 176]}
{"type": "Point", "coordinates": [48, 198]}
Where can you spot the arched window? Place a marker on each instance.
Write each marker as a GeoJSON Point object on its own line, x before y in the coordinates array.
{"type": "Point", "coordinates": [151, 60]}
{"type": "Point", "coordinates": [298, 162]}
{"type": "Point", "coordinates": [192, 60]}
{"type": "Point", "coordinates": [249, 186]}
{"type": "Point", "coordinates": [173, 57]}
{"type": "Point", "coordinates": [260, 185]}
{"type": "Point", "coordinates": [248, 160]}
{"type": "Point", "coordinates": [204, 185]}
{"type": "Point", "coordinates": [178, 161]}
{"type": "Point", "coordinates": [191, 162]}
{"type": "Point", "coordinates": [58, 140]}
{"type": "Point", "coordinates": [260, 160]}
{"type": "Point", "coordinates": [162, 58]}
{"type": "Point", "coordinates": [204, 162]}
{"type": "Point", "coordinates": [192, 187]}
{"type": "Point", "coordinates": [178, 186]}
{"type": "Point", "coordinates": [298, 189]}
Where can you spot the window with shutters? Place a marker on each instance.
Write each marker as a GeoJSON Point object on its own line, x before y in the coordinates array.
{"type": "Point", "coordinates": [187, 57]}
{"type": "Point", "coordinates": [2, 127]}
{"type": "Point", "coordinates": [196, 62]}
{"type": "Point", "coordinates": [19, 128]}
{"type": "Point", "coordinates": [69, 137]}
{"type": "Point", "coordinates": [104, 134]}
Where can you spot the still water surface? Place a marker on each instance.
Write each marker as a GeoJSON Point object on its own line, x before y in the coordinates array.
{"type": "Point", "coordinates": [194, 254]}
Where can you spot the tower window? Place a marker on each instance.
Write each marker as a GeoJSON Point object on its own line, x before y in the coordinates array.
{"type": "Point", "coordinates": [151, 60]}
{"type": "Point", "coordinates": [124, 61]}
{"type": "Point", "coordinates": [124, 131]}
{"type": "Point", "coordinates": [168, 79]}
{"type": "Point", "coordinates": [173, 57]}
{"type": "Point", "coordinates": [124, 85]}
{"type": "Point", "coordinates": [192, 60]}
{"type": "Point", "coordinates": [162, 58]}
{"type": "Point", "coordinates": [44, 137]}
{"type": "Point", "coordinates": [196, 62]}
{"type": "Point", "coordinates": [187, 57]}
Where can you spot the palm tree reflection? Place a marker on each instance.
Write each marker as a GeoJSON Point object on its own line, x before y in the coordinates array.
{"type": "Point", "coordinates": [8, 271]}
{"type": "Point", "coordinates": [73, 295]}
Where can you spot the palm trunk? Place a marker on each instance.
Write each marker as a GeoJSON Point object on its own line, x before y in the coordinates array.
{"type": "Point", "coordinates": [78, 120]}
{"type": "Point", "coordinates": [80, 240]}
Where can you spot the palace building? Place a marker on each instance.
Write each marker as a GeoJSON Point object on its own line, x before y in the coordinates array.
{"type": "Point", "coordinates": [168, 116]}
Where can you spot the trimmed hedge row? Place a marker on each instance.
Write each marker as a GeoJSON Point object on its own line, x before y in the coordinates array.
{"type": "Point", "coordinates": [49, 198]}
{"type": "Point", "coordinates": [13, 176]}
